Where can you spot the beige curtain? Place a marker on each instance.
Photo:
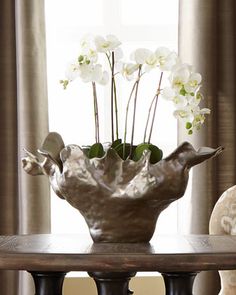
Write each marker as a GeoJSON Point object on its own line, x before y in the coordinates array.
{"type": "Point", "coordinates": [25, 202]}
{"type": "Point", "coordinates": [207, 39]}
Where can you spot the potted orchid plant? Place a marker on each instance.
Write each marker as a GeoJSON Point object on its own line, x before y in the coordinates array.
{"type": "Point", "coordinates": [121, 188]}
{"type": "Point", "coordinates": [183, 91]}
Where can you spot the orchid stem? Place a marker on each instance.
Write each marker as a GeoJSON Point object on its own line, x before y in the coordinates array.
{"type": "Point", "coordinates": [97, 136]}
{"type": "Point", "coordinates": [134, 110]}
{"type": "Point", "coordinates": [155, 107]}
{"type": "Point", "coordinates": [116, 110]}
{"type": "Point", "coordinates": [112, 97]}
{"type": "Point", "coordinates": [148, 118]}
{"type": "Point", "coordinates": [126, 116]}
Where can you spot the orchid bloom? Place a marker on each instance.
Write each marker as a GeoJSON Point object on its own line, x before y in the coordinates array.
{"type": "Point", "coordinates": [165, 58]}
{"type": "Point", "coordinates": [141, 55]}
{"type": "Point", "coordinates": [199, 116]}
{"type": "Point", "coordinates": [193, 82]}
{"type": "Point", "coordinates": [179, 76]}
{"type": "Point", "coordinates": [184, 92]}
{"type": "Point", "coordinates": [128, 70]}
{"type": "Point", "coordinates": [193, 115]}
{"type": "Point", "coordinates": [151, 62]}
{"type": "Point", "coordinates": [88, 49]}
{"type": "Point", "coordinates": [72, 71]}
{"type": "Point", "coordinates": [106, 45]}
{"type": "Point", "coordinates": [93, 73]}
{"type": "Point", "coordinates": [184, 82]}
{"type": "Point", "coordinates": [88, 72]}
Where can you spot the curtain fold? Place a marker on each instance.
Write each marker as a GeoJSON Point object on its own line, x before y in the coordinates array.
{"type": "Point", "coordinates": [8, 137]}
{"type": "Point", "coordinates": [207, 40]}
{"type": "Point", "coordinates": [25, 200]}
{"type": "Point", "coordinates": [32, 111]}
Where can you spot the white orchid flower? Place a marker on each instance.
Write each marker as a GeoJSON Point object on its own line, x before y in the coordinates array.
{"type": "Point", "coordinates": [86, 72]}
{"type": "Point", "coordinates": [180, 77]}
{"type": "Point", "coordinates": [193, 115]}
{"type": "Point", "coordinates": [97, 73]}
{"type": "Point", "coordinates": [119, 66]}
{"type": "Point", "coordinates": [141, 55]}
{"type": "Point", "coordinates": [105, 78]}
{"type": "Point", "coordinates": [105, 45]}
{"type": "Point", "coordinates": [179, 101]}
{"type": "Point", "coordinates": [183, 113]}
{"type": "Point", "coordinates": [118, 54]}
{"type": "Point", "coordinates": [87, 49]}
{"type": "Point", "coordinates": [193, 82]}
{"type": "Point", "coordinates": [72, 71]}
{"type": "Point", "coordinates": [179, 65]}
{"type": "Point", "coordinates": [185, 82]}
{"type": "Point", "coordinates": [168, 93]}
{"type": "Point", "coordinates": [205, 111]}
{"type": "Point", "coordinates": [197, 111]}
{"type": "Point", "coordinates": [162, 53]}
{"type": "Point", "coordinates": [194, 98]}
{"type": "Point", "coordinates": [92, 55]}
{"type": "Point", "coordinates": [86, 41]}
{"type": "Point", "coordinates": [198, 96]}
{"type": "Point", "coordinates": [165, 58]}
{"type": "Point", "coordinates": [93, 73]}
{"type": "Point", "coordinates": [151, 62]}
{"type": "Point", "coordinates": [128, 70]}
{"type": "Point", "coordinates": [199, 116]}
{"type": "Point", "coordinates": [170, 62]}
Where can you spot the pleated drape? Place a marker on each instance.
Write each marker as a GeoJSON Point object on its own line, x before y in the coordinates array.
{"type": "Point", "coordinates": [207, 40]}
{"type": "Point", "coordinates": [8, 137]}
{"type": "Point", "coordinates": [25, 200]}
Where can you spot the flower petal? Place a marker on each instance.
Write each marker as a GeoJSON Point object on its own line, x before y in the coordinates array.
{"type": "Point", "coordinates": [168, 93]}
{"type": "Point", "coordinates": [128, 70]}
{"type": "Point", "coordinates": [140, 55]}
{"type": "Point", "coordinates": [72, 71]}
{"type": "Point", "coordinates": [104, 45]}
{"type": "Point", "coordinates": [104, 79]}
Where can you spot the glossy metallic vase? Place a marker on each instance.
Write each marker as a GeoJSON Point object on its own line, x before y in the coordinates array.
{"type": "Point", "coordinates": [120, 200]}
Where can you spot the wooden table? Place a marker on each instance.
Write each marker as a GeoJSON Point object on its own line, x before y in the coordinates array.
{"type": "Point", "coordinates": [178, 258]}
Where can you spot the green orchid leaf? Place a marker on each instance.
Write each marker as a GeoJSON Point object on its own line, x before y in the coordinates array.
{"type": "Point", "coordinates": [156, 153]}
{"type": "Point", "coordinates": [123, 150]}
{"type": "Point", "coordinates": [96, 151]}
{"type": "Point", "coordinates": [116, 143]}
{"type": "Point", "coordinates": [138, 152]}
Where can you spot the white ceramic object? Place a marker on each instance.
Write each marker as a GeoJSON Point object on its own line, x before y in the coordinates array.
{"type": "Point", "coordinates": [223, 222]}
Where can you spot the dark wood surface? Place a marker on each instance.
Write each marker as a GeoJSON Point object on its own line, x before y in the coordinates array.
{"type": "Point", "coordinates": [77, 253]}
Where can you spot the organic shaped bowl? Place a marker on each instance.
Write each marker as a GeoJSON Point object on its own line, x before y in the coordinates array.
{"type": "Point", "coordinates": [120, 200]}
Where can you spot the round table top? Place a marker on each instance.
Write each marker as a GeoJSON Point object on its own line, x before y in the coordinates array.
{"type": "Point", "coordinates": [71, 252]}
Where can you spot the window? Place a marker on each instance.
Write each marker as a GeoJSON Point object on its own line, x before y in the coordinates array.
{"type": "Point", "coordinates": [149, 23]}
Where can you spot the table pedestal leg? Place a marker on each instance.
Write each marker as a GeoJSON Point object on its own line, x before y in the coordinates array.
{"type": "Point", "coordinates": [48, 283]}
{"type": "Point", "coordinates": [112, 283]}
{"type": "Point", "coordinates": [179, 283]}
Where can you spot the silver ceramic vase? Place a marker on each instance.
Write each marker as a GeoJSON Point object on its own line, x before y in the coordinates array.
{"type": "Point", "coordinates": [120, 200]}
